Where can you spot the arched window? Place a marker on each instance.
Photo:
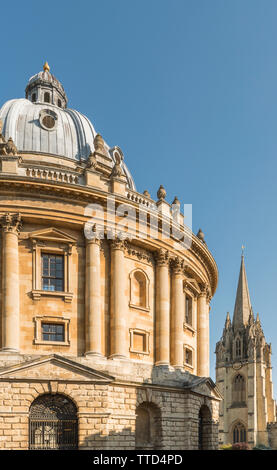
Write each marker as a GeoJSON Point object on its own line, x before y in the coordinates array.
{"type": "Point", "coordinates": [59, 103]}
{"type": "Point", "coordinates": [148, 426]}
{"type": "Point", "coordinates": [238, 347]}
{"type": "Point", "coordinates": [239, 433]}
{"type": "Point", "coordinates": [239, 389]}
{"type": "Point", "coordinates": [46, 97]}
{"type": "Point", "coordinates": [53, 423]}
{"type": "Point", "coordinates": [204, 428]}
{"type": "Point", "coordinates": [139, 285]}
{"type": "Point", "coordinates": [34, 97]}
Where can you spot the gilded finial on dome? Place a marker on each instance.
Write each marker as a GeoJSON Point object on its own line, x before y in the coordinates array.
{"type": "Point", "coordinates": [46, 67]}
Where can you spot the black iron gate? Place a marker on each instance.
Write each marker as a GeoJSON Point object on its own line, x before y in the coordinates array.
{"type": "Point", "coordinates": [53, 423]}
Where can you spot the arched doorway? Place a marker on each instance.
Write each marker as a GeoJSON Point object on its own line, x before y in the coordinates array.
{"type": "Point", "coordinates": [204, 428]}
{"type": "Point", "coordinates": [53, 423]}
{"type": "Point", "coordinates": [148, 427]}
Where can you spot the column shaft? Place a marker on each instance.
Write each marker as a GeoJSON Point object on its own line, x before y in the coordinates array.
{"type": "Point", "coordinates": [203, 339]}
{"type": "Point", "coordinates": [10, 326]}
{"type": "Point", "coordinates": [119, 333]}
{"type": "Point", "coordinates": [93, 297]}
{"type": "Point", "coordinates": [162, 311]}
{"type": "Point", "coordinates": [177, 321]}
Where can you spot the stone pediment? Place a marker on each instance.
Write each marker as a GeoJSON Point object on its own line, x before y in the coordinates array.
{"type": "Point", "coordinates": [204, 386]}
{"type": "Point", "coordinates": [52, 234]}
{"type": "Point", "coordinates": [192, 285]}
{"type": "Point", "coordinates": [56, 368]}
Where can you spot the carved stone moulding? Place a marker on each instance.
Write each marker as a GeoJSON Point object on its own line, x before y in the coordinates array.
{"type": "Point", "coordinates": [177, 265]}
{"type": "Point", "coordinates": [140, 254]}
{"type": "Point", "coordinates": [11, 222]}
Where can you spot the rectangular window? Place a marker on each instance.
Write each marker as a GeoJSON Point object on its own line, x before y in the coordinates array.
{"type": "Point", "coordinates": [139, 342]}
{"type": "Point", "coordinates": [52, 272]}
{"type": "Point", "coordinates": [188, 356]}
{"type": "Point", "coordinates": [52, 332]}
{"type": "Point", "coordinates": [188, 310]}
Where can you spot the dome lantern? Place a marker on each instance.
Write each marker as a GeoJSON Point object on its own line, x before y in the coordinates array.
{"type": "Point", "coordinates": [41, 123]}
{"type": "Point", "coordinates": [45, 88]}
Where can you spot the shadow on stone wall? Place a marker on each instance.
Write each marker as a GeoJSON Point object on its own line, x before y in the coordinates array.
{"type": "Point", "coordinates": [122, 440]}
{"type": "Point", "coordinates": [160, 417]}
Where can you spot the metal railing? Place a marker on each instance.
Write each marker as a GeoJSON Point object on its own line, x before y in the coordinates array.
{"type": "Point", "coordinates": [53, 434]}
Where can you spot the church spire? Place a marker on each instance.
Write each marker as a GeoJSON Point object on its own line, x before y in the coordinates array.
{"type": "Point", "coordinates": [227, 321]}
{"type": "Point", "coordinates": [242, 308]}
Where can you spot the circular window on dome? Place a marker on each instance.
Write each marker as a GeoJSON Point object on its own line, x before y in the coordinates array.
{"type": "Point", "coordinates": [48, 119]}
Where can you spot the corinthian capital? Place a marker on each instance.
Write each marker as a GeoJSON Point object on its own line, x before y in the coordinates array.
{"type": "Point", "coordinates": [11, 223]}
{"type": "Point", "coordinates": [162, 257]}
{"type": "Point", "coordinates": [118, 243]}
{"type": "Point", "coordinates": [178, 265]}
{"type": "Point", "coordinates": [206, 291]}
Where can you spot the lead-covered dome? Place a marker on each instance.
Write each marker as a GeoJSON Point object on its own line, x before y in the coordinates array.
{"type": "Point", "coordinates": [41, 123]}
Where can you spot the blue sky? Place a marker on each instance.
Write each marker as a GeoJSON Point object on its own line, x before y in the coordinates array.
{"type": "Point", "coordinates": [188, 90]}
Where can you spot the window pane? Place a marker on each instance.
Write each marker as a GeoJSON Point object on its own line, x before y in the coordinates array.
{"type": "Point", "coordinates": [52, 272]}
{"type": "Point", "coordinates": [45, 268]}
{"type": "Point", "coordinates": [52, 332]}
{"type": "Point", "coordinates": [51, 285]}
{"type": "Point", "coordinates": [58, 284]}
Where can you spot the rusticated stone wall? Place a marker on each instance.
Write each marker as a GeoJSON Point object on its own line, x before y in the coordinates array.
{"type": "Point", "coordinates": [107, 414]}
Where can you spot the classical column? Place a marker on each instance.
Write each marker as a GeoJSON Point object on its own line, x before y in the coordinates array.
{"type": "Point", "coordinates": [93, 299]}
{"type": "Point", "coordinates": [11, 225]}
{"type": "Point", "coordinates": [119, 333]}
{"type": "Point", "coordinates": [203, 334]}
{"type": "Point", "coordinates": [177, 312]}
{"type": "Point", "coordinates": [162, 309]}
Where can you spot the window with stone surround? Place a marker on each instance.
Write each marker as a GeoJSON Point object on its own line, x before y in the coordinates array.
{"type": "Point", "coordinates": [52, 250]}
{"type": "Point", "coordinates": [139, 341]}
{"type": "Point", "coordinates": [188, 309]}
{"type": "Point", "coordinates": [239, 433]}
{"type": "Point", "coordinates": [239, 390]}
{"type": "Point", "coordinates": [188, 356]}
{"type": "Point", "coordinates": [52, 330]}
{"type": "Point", "coordinates": [139, 290]}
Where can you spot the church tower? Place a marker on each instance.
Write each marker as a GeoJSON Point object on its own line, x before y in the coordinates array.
{"type": "Point", "coordinates": [243, 374]}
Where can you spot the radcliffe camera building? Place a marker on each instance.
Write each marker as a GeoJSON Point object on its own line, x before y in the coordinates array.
{"type": "Point", "coordinates": [104, 341]}
{"type": "Point", "coordinates": [244, 376]}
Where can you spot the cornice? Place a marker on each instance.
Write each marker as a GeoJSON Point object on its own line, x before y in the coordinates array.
{"type": "Point", "coordinates": [85, 194]}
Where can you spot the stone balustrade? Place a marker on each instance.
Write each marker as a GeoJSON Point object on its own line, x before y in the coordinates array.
{"type": "Point", "coordinates": [52, 175]}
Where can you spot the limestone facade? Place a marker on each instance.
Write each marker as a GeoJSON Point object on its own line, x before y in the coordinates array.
{"type": "Point", "coordinates": [115, 330]}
